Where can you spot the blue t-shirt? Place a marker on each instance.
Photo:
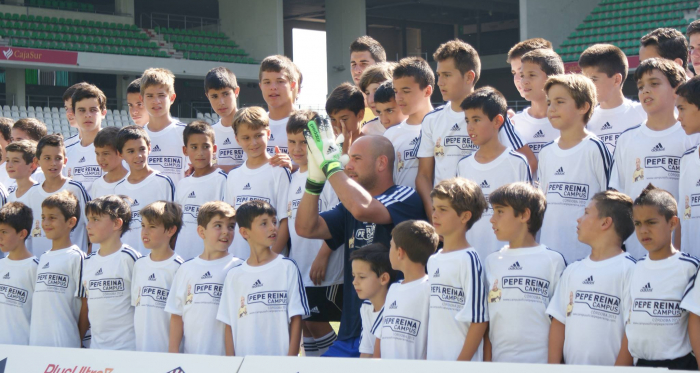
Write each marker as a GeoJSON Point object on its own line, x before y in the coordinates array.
{"type": "Point", "coordinates": [403, 204]}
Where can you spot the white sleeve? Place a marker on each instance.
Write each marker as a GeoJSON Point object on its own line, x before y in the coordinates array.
{"type": "Point", "coordinates": [473, 312]}
{"type": "Point", "coordinates": [367, 338]}
{"type": "Point", "coordinates": [230, 194]}
{"type": "Point", "coordinates": [282, 189]}
{"type": "Point", "coordinates": [77, 274]}
{"type": "Point", "coordinates": [298, 303]}
{"type": "Point", "coordinates": [175, 303]}
{"type": "Point", "coordinates": [223, 314]}
{"type": "Point", "coordinates": [557, 306]}
{"type": "Point", "coordinates": [329, 198]}
{"type": "Point", "coordinates": [508, 135]}
{"type": "Point", "coordinates": [222, 189]}
{"type": "Point", "coordinates": [377, 331]}
{"type": "Point", "coordinates": [602, 165]}
{"type": "Point", "coordinates": [541, 181]}
{"type": "Point", "coordinates": [559, 267]}
{"type": "Point", "coordinates": [134, 286]}
{"type": "Point", "coordinates": [616, 179]}
{"type": "Point", "coordinates": [426, 148]}
{"type": "Point", "coordinates": [627, 295]}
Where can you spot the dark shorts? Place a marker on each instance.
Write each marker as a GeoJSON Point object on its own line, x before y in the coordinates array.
{"type": "Point", "coordinates": [347, 348]}
{"type": "Point", "coordinates": [325, 302]}
{"type": "Point", "coordinates": [687, 362]}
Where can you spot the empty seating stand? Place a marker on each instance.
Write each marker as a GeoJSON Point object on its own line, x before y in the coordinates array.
{"type": "Point", "coordinates": [204, 45]}
{"type": "Point", "coordinates": [63, 5]}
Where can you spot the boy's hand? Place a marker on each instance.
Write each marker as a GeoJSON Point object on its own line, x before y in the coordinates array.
{"type": "Point", "coordinates": [322, 146]}
{"type": "Point", "coordinates": [281, 159]}
{"type": "Point", "coordinates": [190, 170]}
{"type": "Point", "coordinates": [315, 179]}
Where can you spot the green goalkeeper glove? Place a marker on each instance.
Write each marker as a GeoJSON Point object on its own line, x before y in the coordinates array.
{"type": "Point", "coordinates": [322, 146]}
{"type": "Point", "coordinates": [315, 179]}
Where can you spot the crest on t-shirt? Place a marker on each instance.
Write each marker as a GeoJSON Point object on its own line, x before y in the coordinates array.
{"type": "Point", "coordinates": [495, 293]}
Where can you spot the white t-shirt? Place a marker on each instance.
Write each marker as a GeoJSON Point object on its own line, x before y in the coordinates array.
{"type": "Point", "coordinates": [689, 203]}
{"type": "Point", "coordinates": [5, 178]}
{"type": "Point", "coordinates": [405, 138]}
{"type": "Point", "coordinates": [57, 299]}
{"type": "Point", "coordinates": [659, 154]}
{"type": "Point", "coordinates": [521, 282]}
{"type": "Point", "coordinates": [107, 280]}
{"type": "Point", "coordinates": [304, 250]}
{"type": "Point", "coordinates": [592, 301]}
{"type": "Point", "coordinates": [404, 333]}
{"type": "Point", "coordinates": [509, 167]}
{"type": "Point", "coordinates": [17, 281]}
{"type": "Point", "coordinates": [569, 178]}
{"type": "Point", "coordinates": [658, 326]}
{"type": "Point", "coordinates": [37, 242]}
{"type": "Point", "coordinates": [191, 194]}
{"type": "Point", "coordinates": [71, 140]}
{"type": "Point", "coordinates": [155, 187]}
{"type": "Point", "coordinates": [166, 151]}
{"type": "Point", "coordinates": [609, 124]}
{"type": "Point", "coordinates": [278, 136]}
{"type": "Point", "coordinates": [266, 183]}
{"type": "Point", "coordinates": [150, 286]}
{"type": "Point", "coordinates": [37, 176]}
{"type": "Point", "coordinates": [457, 299]}
{"type": "Point", "coordinates": [536, 132]}
{"type": "Point", "coordinates": [195, 295]}
{"type": "Point", "coordinates": [101, 188]}
{"type": "Point", "coordinates": [371, 320]}
{"type": "Point", "coordinates": [81, 164]}
{"type": "Point", "coordinates": [444, 137]}
{"type": "Point", "coordinates": [373, 127]}
{"type": "Point", "coordinates": [259, 303]}
{"type": "Point", "coordinates": [228, 152]}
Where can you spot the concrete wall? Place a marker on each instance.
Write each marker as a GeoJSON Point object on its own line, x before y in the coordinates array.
{"type": "Point", "coordinates": [257, 26]}
{"type": "Point", "coordinates": [45, 12]}
{"type": "Point", "coordinates": [553, 20]}
{"type": "Point", "coordinates": [346, 20]}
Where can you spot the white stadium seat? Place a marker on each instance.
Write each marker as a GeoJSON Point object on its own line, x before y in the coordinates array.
{"type": "Point", "coordinates": [54, 110]}
{"type": "Point", "coordinates": [22, 109]}
{"type": "Point", "coordinates": [39, 109]}
{"type": "Point", "coordinates": [15, 108]}
{"type": "Point", "coordinates": [48, 122]}
{"type": "Point", "coordinates": [200, 116]}
{"type": "Point", "coordinates": [30, 109]}
{"type": "Point", "coordinates": [6, 108]}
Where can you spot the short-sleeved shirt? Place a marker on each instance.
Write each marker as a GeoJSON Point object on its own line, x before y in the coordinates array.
{"type": "Point", "coordinates": [166, 151]}
{"type": "Point", "coordinates": [403, 203]}
{"type": "Point", "coordinates": [406, 139]}
{"type": "Point", "coordinates": [81, 164]}
{"type": "Point", "coordinates": [536, 132]}
{"type": "Point", "coordinates": [689, 201]}
{"type": "Point", "coordinates": [228, 152]}
{"type": "Point", "coordinates": [371, 320]}
{"type": "Point", "coordinates": [101, 187]}
{"type": "Point", "coordinates": [17, 281]}
{"type": "Point", "coordinates": [278, 136]}
{"type": "Point", "coordinates": [609, 124]}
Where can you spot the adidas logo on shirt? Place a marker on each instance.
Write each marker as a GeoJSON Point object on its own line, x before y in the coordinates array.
{"type": "Point", "coordinates": [485, 184]}
{"type": "Point", "coordinates": [192, 195]}
{"type": "Point", "coordinates": [156, 148]}
{"type": "Point", "coordinates": [257, 284]}
{"type": "Point", "coordinates": [152, 277]}
{"type": "Point", "coordinates": [515, 267]}
{"type": "Point", "coordinates": [7, 276]}
{"type": "Point", "coordinates": [299, 190]}
{"type": "Point", "coordinates": [698, 183]}
{"type": "Point", "coordinates": [315, 310]}
{"type": "Point", "coordinates": [658, 148]}
{"type": "Point", "coordinates": [99, 272]}
{"type": "Point", "coordinates": [45, 266]}
{"type": "Point", "coordinates": [206, 275]}
{"type": "Point", "coordinates": [136, 203]}
{"type": "Point", "coordinates": [81, 160]}
{"type": "Point", "coordinates": [393, 306]}
{"type": "Point", "coordinates": [437, 273]}
{"type": "Point", "coordinates": [588, 281]}
{"type": "Point", "coordinates": [176, 370]}
{"type": "Point", "coordinates": [646, 288]}
{"type": "Point", "coordinates": [606, 126]}
{"type": "Point", "coordinates": [246, 187]}
{"type": "Point", "coordinates": [272, 137]}
{"type": "Point", "coordinates": [538, 134]}
{"type": "Point", "coordinates": [455, 127]}
{"type": "Point", "coordinates": [414, 141]}
{"type": "Point", "coordinates": [560, 171]}
{"type": "Point", "coordinates": [227, 141]}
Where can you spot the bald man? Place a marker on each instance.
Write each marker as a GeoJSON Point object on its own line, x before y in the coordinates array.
{"type": "Point", "coordinates": [371, 205]}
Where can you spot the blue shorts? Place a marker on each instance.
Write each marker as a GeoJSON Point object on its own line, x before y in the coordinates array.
{"type": "Point", "coordinates": [347, 348]}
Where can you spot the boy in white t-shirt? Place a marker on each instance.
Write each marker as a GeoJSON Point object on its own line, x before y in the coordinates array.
{"type": "Point", "coordinates": [280, 81]}
{"type": "Point", "coordinates": [153, 275]}
{"type": "Point", "coordinates": [143, 185]}
{"type": "Point", "coordinates": [573, 167]}
{"type": "Point", "coordinates": [134, 101]}
{"type": "Point", "coordinates": [592, 301]}
{"type": "Point", "coordinates": [197, 288]}
{"type": "Point", "coordinates": [657, 325]}
{"type": "Point", "coordinates": [372, 275]}
{"type": "Point", "coordinates": [534, 125]}
{"type": "Point", "coordinates": [345, 107]}
{"type": "Point", "coordinates": [458, 315]}
{"type": "Point", "coordinates": [521, 278]}
{"type": "Point", "coordinates": [493, 165]}
{"type": "Point", "coordinates": [606, 65]}
{"type": "Point", "coordinates": [70, 114]}
{"type": "Point", "coordinates": [388, 111]}
{"type": "Point", "coordinates": [21, 164]}
{"type": "Point", "coordinates": [17, 274]}
{"type": "Point", "coordinates": [206, 183]}
{"type": "Point", "coordinates": [413, 81]}
{"type": "Point", "coordinates": [325, 293]}
{"type": "Point", "coordinates": [59, 295]}
{"type": "Point", "coordinates": [688, 105]}
{"type": "Point", "coordinates": [403, 333]}
{"type": "Point", "coordinates": [371, 79]}
{"type": "Point", "coordinates": [90, 107]}
{"type": "Point", "coordinates": [264, 298]}
{"type": "Point", "coordinates": [28, 129]}
{"type": "Point", "coordinates": [652, 151]}
{"type": "Point", "coordinates": [221, 88]}
{"type": "Point", "coordinates": [516, 53]}
{"type": "Point", "coordinates": [5, 139]}
{"type": "Point", "coordinates": [107, 276]}
{"type": "Point", "coordinates": [257, 178]}
{"type": "Point", "coordinates": [165, 133]}
{"type": "Point", "coordinates": [112, 165]}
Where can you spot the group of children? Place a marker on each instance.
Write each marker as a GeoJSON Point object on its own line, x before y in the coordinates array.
{"type": "Point", "coordinates": [168, 237]}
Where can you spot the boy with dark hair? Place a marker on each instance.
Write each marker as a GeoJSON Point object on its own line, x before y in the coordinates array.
{"type": "Point", "coordinates": [389, 113]}
{"type": "Point", "coordinates": [595, 286]}
{"type": "Point", "coordinates": [51, 157]}
{"type": "Point", "coordinates": [657, 325]}
{"type": "Point", "coordinates": [279, 82]}
{"type": "Point", "coordinates": [193, 301]}
{"type": "Point", "coordinates": [493, 164]}
{"type": "Point", "coordinates": [688, 105]}
{"type": "Point", "coordinates": [653, 149]}
{"type": "Point", "coordinates": [221, 88]}
{"type": "Point", "coordinates": [412, 243]}
{"type": "Point", "coordinates": [5, 138]}
{"type": "Point", "coordinates": [21, 165]}
{"type": "Point", "coordinates": [70, 114]}
{"type": "Point", "coordinates": [516, 53]}
{"type": "Point", "coordinates": [310, 254]}
{"type": "Point", "coordinates": [523, 295]}
{"type": "Point", "coordinates": [370, 81]}
{"type": "Point", "coordinates": [134, 101]}
{"type": "Point", "coordinates": [19, 269]}
{"type": "Point", "coordinates": [254, 327]}
{"type": "Point", "coordinates": [372, 275]}
{"type": "Point", "coordinates": [667, 43]}
{"type": "Point", "coordinates": [364, 52]}
{"type": "Point", "coordinates": [107, 156]}
{"type": "Point", "coordinates": [143, 185]}
{"type": "Point", "coordinates": [345, 107]}
{"type": "Point", "coordinates": [90, 108]}
{"type": "Point", "coordinates": [456, 324]}
{"type": "Point", "coordinates": [693, 33]}
{"type": "Point", "coordinates": [207, 183]}
{"type": "Point", "coordinates": [606, 65]}
{"type": "Point", "coordinates": [59, 296]}
{"type": "Point", "coordinates": [574, 166]}
{"type": "Point", "coordinates": [28, 129]}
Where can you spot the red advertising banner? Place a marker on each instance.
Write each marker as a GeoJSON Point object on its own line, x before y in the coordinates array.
{"type": "Point", "coordinates": [572, 67]}
{"type": "Point", "coordinates": [39, 55]}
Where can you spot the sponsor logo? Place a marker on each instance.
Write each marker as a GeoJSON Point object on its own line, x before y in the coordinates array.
{"type": "Point", "coordinates": [598, 301]}
{"type": "Point", "coordinates": [157, 294]}
{"type": "Point", "coordinates": [156, 148]}
{"type": "Point", "coordinates": [484, 184]}
{"type": "Point", "coordinates": [538, 135]}
{"type": "Point", "coordinates": [527, 285]}
{"type": "Point", "coordinates": [176, 370]}
{"type": "Point", "coordinates": [588, 281]}
{"type": "Point", "coordinates": [13, 293]}
{"type": "Point", "coordinates": [206, 275]}
{"type": "Point", "coordinates": [299, 191]}
{"type": "Point", "coordinates": [227, 141]}
{"type": "Point", "coordinates": [213, 290]}
{"type": "Point", "coordinates": [243, 199]}
{"type": "Point", "coordinates": [658, 148]}
{"type": "Point", "coordinates": [437, 273]}
{"type": "Point", "coordinates": [536, 146]}
{"type": "Point", "coordinates": [560, 171]}
{"type": "Point", "coordinates": [515, 267]}
{"type": "Point", "coordinates": [192, 195]}
{"type": "Point", "coordinates": [174, 163]}
{"type": "Point", "coordinates": [7, 276]}
{"type": "Point", "coordinates": [446, 293]}
{"type": "Point", "coordinates": [414, 141]}
{"type": "Point", "coordinates": [698, 183]}
{"type": "Point", "coordinates": [393, 306]}
{"type": "Point", "coordinates": [257, 284]}
{"type": "Point", "coordinates": [82, 160]}
{"type": "Point", "coordinates": [461, 142]}
{"type": "Point", "coordinates": [315, 310]}
{"type": "Point", "coordinates": [246, 187]}
{"type": "Point", "coordinates": [403, 325]}
{"type": "Point", "coordinates": [268, 298]}
{"type": "Point", "coordinates": [99, 272]}
{"type": "Point", "coordinates": [87, 171]}
{"type": "Point", "coordinates": [193, 210]}
{"type": "Point", "coordinates": [52, 279]}
{"type": "Point", "coordinates": [45, 266]}
{"type": "Point", "coordinates": [606, 126]}
{"type": "Point", "coordinates": [152, 277]}
{"type": "Point", "coordinates": [646, 288]}
{"type": "Point", "coordinates": [668, 163]}
{"type": "Point", "coordinates": [455, 127]}
{"type": "Point", "coordinates": [569, 190]}
{"type": "Point", "coordinates": [330, 150]}
{"type": "Point", "coordinates": [57, 368]}
{"type": "Point", "coordinates": [658, 307]}
{"type": "Point", "coordinates": [236, 154]}
{"type": "Point", "coordinates": [136, 203]}
{"type": "Point", "coordinates": [8, 53]}
{"type": "Point", "coordinates": [107, 285]}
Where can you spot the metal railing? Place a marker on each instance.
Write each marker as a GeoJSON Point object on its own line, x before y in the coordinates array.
{"type": "Point", "coordinates": [153, 20]}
